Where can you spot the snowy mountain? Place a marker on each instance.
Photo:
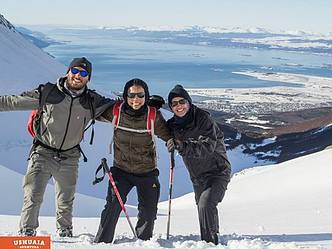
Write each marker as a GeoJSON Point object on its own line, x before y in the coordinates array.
{"type": "Point", "coordinates": [207, 36]}
{"type": "Point", "coordinates": [297, 40]}
{"type": "Point", "coordinates": [4, 22]}
{"type": "Point", "coordinates": [287, 205]}
{"type": "Point", "coordinates": [22, 64]}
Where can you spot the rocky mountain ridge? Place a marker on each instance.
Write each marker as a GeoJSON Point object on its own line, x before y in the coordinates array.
{"type": "Point", "coordinates": [6, 23]}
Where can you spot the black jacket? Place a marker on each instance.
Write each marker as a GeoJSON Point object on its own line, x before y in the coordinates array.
{"type": "Point", "coordinates": [203, 150]}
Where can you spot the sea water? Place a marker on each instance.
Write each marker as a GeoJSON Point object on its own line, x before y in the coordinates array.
{"type": "Point", "coordinates": [119, 55]}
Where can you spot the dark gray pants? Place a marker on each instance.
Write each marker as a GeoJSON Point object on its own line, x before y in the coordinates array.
{"type": "Point", "coordinates": [208, 193]}
{"type": "Point", "coordinates": [148, 191]}
{"type": "Point", "coordinates": [43, 165]}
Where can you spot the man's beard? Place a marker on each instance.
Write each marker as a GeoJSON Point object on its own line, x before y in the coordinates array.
{"type": "Point", "coordinates": [72, 85]}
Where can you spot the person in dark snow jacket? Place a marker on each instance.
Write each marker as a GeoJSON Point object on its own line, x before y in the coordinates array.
{"type": "Point", "coordinates": [55, 152]}
{"type": "Point", "coordinates": [199, 141]}
{"type": "Point", "coordinates": [135, 162]}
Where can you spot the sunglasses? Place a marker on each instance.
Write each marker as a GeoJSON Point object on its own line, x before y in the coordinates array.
{"type": "Point", "coordinates": [133, 95]}
{"type": "Point", "coordinates": [83, 73]}
{"type": "Point", "coordinates": [179, 102]}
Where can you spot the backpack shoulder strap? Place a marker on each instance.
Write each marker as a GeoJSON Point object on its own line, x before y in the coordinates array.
{"type": "Point", "coordinates": [91, 105]}
{"type": "Point", "coordinates": [116, 113]}
{"type": "Point", "coordinates": [93, 114]}
{"type": "Point", "coordinates": [44, 91]}
{"type": "Point", "coordinates": [152, 113]}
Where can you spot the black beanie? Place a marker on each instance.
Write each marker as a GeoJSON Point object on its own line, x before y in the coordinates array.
{"type": "Point", "coordinates": [137, 82]}
{"type": "Point", "coordinates": [83, 63]}
{"type": "Point", "coordinates": [178, 91]}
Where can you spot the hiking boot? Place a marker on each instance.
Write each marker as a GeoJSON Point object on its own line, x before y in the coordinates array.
{"type": "Point", "coordinates": [65, 232]}
{"type": "Point", "coordinates": [27, 232]}
{"type": "Point", "coordinates": [215, 239]}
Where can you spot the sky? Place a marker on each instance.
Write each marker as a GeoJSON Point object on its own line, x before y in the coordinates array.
{"type": "Point", "coordinates": [306, 15]}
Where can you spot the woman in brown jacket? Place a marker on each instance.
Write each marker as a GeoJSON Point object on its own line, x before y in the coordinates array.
{"type": "Point", "coordinates": [135, 163]}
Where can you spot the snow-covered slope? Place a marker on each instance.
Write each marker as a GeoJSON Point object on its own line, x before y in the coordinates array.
{"type": "Point", "coordinates": [22, 64]}
{"type": "Point", "coordinates": [287, 205]}
{"type": "Point", "coordinates": [287, 198]}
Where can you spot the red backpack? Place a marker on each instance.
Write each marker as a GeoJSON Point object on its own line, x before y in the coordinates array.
{"type": "Point", "coordinates": [34, 114]}
{"type": "Point", "coordinates": [33, 120]}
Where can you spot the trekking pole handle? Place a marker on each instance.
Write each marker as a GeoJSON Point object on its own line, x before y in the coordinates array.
{"type": "Point", "coordinates": [104, 163]}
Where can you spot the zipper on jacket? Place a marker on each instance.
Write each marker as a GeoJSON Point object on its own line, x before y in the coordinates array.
{"type": "Point", "coordinates": [131, 158]}
{"type": "Point", "coordinates": [68, 121]}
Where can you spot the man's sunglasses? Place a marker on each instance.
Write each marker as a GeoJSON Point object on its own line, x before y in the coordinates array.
{"type": "Point", "coordinates": [83, 73]}
{"type": "Point", "coordinates": [139, 95]}
{"type": "Point", "coordinates": [181, 102]}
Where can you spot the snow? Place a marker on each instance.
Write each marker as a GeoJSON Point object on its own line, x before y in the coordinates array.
{"type": "Point", "coordinates": [323, 128]}
{"type": "Point", "coordinates": [284, 42]}
{"type": "Point", "coordinates": [218, 29]}
{"type": "Point", "coordinates": [252, 121]}
{"type": "Point", "coordinates": [287, 205]}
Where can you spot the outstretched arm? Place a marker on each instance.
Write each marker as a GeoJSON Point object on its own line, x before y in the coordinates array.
{"type": "Point", "coordinates": [26, 101]}
{"type": "Point", "coordinates": [101, 105]}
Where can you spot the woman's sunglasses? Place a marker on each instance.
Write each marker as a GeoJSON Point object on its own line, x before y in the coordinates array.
{"type": "Point", "coordinates": [181, 102]}
{"type": "Point", "coordinates": [83, 73]}
{"type": "Point", "coordinates": [139, 95]}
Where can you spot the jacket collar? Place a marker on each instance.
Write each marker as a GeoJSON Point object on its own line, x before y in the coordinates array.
{"type": "Point", "coordinates": [61, 82]}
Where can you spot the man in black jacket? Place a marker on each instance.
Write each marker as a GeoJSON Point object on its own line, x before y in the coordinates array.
{"type": "Point", "coordinates": [200, 142]}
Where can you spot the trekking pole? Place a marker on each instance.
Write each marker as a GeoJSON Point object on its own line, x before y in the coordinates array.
{"type": "Point", "coordinates": [171, 171]}
{"type": "Point", "coordinates": [109, 173]}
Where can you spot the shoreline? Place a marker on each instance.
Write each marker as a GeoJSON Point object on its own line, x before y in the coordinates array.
{"type": "Point", "coordinates": [315, 93]}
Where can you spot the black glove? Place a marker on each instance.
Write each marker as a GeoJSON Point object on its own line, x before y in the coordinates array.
{"type": "Point", "coordinates": [178, 146]}
{"type": "Point", "coordinates": [156, 101]}
{"type": "Point", "coordinates": [170, 145]}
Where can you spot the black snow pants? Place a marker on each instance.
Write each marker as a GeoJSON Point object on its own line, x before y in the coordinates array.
{"type": "Point", "coordinates": [148, 191]}
{"type": "Point", "coordinates": [209, 191]}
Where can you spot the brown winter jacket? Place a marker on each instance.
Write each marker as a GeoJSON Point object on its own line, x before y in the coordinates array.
{"type": "Point", "coordinates": [136, 152]}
